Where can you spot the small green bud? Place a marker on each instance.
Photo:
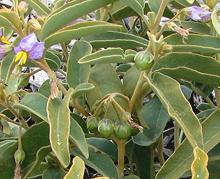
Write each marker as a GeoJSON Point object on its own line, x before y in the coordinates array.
{"type": "Point", "coordinates": [106, 127]}
{"type": "Point", "coordinates": [92, 124]}
{"type": "Point", "coordinates": [122, 130]}
{"type": "Point", "coordinates": [19, 156]}
{"type": "Point", "coordinates": [143, 60]}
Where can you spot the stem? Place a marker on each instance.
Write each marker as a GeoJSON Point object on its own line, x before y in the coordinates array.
{"type": "Point", "coordinates": [160, 150]}
{"type": "Point", "coordinates": [8, 119]}
{"type": "Point", "coordinates": [121, 155]}
{"type": "Point", "coordinates": [217, 96]}
{"type": "Point", "coordinates": [176, 135]}
{"type": "Point", "coordinates": [137, 92]}
{"type": "Point", "coordinates": [160, 15]}
{"type": "Point", "coordinates": [65, 51]}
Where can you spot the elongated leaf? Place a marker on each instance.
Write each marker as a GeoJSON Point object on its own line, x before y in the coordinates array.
{"type": "Point", "coordinates": [199, 165]}
{"type": "Point", "coordinates": [58, 114]}
{"type": "Point", "coordinates": [12, 18]}
{"type": "Point", "coordinates": [7, 164]}
{"type": "Point", "coordinates": [181, 160]}
{"type": "Point", "coordinates": [78, 136]}
{"type": "Point", "coordinates": [100, 162]}
{"type": "Point", "coordinates": [155, 117]}
{"type": "Point", "coordinates": [194, 43]}
{"type": "Point", "coordinates": [33, 141]}
{"type": "Point", "coordinates": [82, 89]}
{"type": "Point", "coordinates": [53, 172]}
{"type": "Point", "coordinates": [136, 5]}
{"type": "Point", "coordinates": [110, 55]}
{"type": "Point", "coordinates": [178, 107]}
{"type": "Point", "coordinates": [79, 30]}
{"type": "Point", "coordinates": [76, 170]}
{"type": "Point", "coordinates": [116, 39]}
{"type": "Point", "coordinates": [70, 13]}
{"type": "Point", "coordinates": [98, 76]}
{"type": "Point", "coordinates": [154, 5]}
{"type": "Point", "coordinates": [39, 7]}
{"type": "Point", "coordinates": [185, 66]}
{"type": "Point", "coordinates": [40, 156]}
{"type": "Point", "coordinates": [34, 103]}
{"type": "Point", "coordinates": [215, 20]}
{"type": "Point", "coordinates": [77, 73]}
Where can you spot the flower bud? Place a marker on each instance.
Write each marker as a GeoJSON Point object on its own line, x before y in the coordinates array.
{"type": "Point", "coordinates": [211, 3]}
{"type": "Point", "coordinates": [143, 60]}
{"type": "Point", "coordinates": [22, 7]}
{"type": "Point", "coordinates": [34, 25]}
{"type": "Point", "coordinates": [19, 156]}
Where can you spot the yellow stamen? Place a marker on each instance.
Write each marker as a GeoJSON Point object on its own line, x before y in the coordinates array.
{"type": "Point", "coordinates": [4, 40]}
{"type": "Point", "coordinates": [22, 57]}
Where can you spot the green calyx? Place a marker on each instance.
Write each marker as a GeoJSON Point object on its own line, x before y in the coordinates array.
{"type": "Point", "coordinates": [92, 124]}
{"type": "Point", "coordinates": [122, 130]}
{"type": "Point", "coordinates": [106, 127]}
{"type": "Point", "coordinates": [143, 60]}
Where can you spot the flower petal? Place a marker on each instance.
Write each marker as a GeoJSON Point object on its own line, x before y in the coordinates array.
{"type": "Point", "coordinates": [28, 42]}
{"type": "Point", "coordinates": [37, 51]}
{"type": "Point", "coordinates": [17, 49]}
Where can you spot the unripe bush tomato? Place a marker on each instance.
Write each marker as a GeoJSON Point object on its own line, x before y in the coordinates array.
{"type": "Point", "coordinates": [92, 123]}
{"type": "Point", "coordinates": [143, 60]}
{"type": "Point", "coordinates": [122, 130]}
{"type": "Point", "coordinates": [106, 127]}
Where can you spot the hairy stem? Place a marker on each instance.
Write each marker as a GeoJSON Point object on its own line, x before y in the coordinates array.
{"type": "Point", "coordinates": [160, 15]}
{"type": "Point", "coordinates": [121, 155]}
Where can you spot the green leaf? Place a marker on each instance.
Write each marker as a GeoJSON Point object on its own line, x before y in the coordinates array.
{"type": "Point", "coordinates": [58, 114]}
{"type": "Point", "coordinates": [70, 13]}
{"type": "Point", "coordinates": [105, 146]}
{"type": "Point", "coordinates": [215, 20]}
{"type": "Point", "coordinates": [199, 165]}
{"type": "Point", "coordinates": [99, 74]}
{"type": "Point", "coordinates": [194, 43]}
{"type": "Point", "coordinates": [185, 66]}
{"type": "Point", "coordinates": [181, 160]}
{"type": "Point", "coordinates": [39, 7]}
{"type": "Point", "coordinates": [154, 5]}
{"type": "Point", "coordinates": [181, 111]}
{"type": "Point", "coordinates": [110, 55]}
{"type": "Point", "coordinates": [53, 172]}
{"type": "Point", "coordinates": [33, 140]}
{"type": "Point", "coordinates": [136, 5]}
{"type": "Point", "coordinates": [77, 169]}
{"type": "Point", "coordinates": [100, 162]}
{"type": "Point", "coordinates": [78, 137]}
{"type": "Point", "coordinates": [40, 156]}
{"type": "Point", "coordinates": [116, 39]}
{"type": "Point", "coordinates": [144, 159]}
{"type": "Point", "coordinates": [79, 30]}
{"type": "Point", "coordinates": [12, 18]}
{"type": "Point", "coordinates": [155, 117]}
{"type": "Point", "coordinates": [130, 80]}
{"type": "Point", "coordinates": [77, 73]}
{"type": "Point", "coordinates": [34, 103]}
{"type": "Point", "coordinates": [82, 89]}
{"type": "Point", "coordinates": [7, 164]}
{"type": "Point", "coordinates": [196, 27]}
{"type": "Point", "coordinates": [6, 66]}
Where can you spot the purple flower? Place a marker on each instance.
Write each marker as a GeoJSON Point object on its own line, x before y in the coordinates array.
{"type": "Point", "coordinates": [197, 13]}
{"type": "Point", "coordinates": [4, 45]}
{"type": "Point", "coordinates": [3, 50]}
{"type": "Point", "coordinates": [3, 40]}
{"type": "Point", "coordinates": [29, 48]}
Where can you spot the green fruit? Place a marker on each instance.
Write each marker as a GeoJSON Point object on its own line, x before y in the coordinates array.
{"type": "Point", "coordinates": [122, 130]}
{"type": "Point", "coordinates": [143, 60]}
{"type": "Point", "coordinates": [106, 127]}
{"type": "Point", "coordinates": [92, 124]}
